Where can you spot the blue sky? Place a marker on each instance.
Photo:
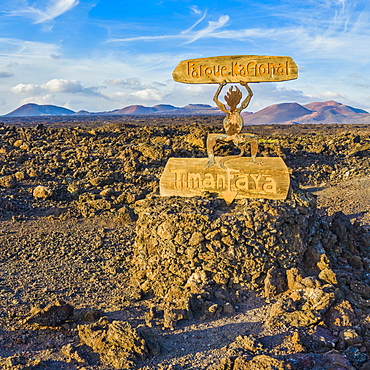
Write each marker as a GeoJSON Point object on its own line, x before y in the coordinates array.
{"type": "Point", "coordinates": [102, 55]}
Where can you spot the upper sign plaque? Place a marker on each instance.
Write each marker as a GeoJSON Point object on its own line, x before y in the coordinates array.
{"type": "Point", "coordinates": [246, 68]}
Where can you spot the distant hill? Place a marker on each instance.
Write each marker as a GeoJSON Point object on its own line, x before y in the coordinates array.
{"type": "Point", "coordinates": [317, 112]}
{"type": "Point", "coordinates": [277, 113]}
{"type": "Point", "coordinates": [135, 110]}
{"type": "Point", "coordinates": [283, 113]}
{"type": "Point", "coordinates": [202, 109]}
{"type": "Point", "coordinates": [35, 110]}
{"type": "Point", "coordinates": [331, 104]}
{"type": "Point", "coordinates": [166, 109]}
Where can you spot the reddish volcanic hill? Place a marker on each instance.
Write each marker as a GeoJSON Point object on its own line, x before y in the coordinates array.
{"type": "Point", "coordinates": [277, 113]}
{"type": "Point", "coordinates": [333, 105]}
{"type": "Point", "coordinates": [135, 109]}
{"type": "Point", "coordinates": [164, 107]}
{"type": "Point", "coordinates": [190, 109]}
{"type": "Point", "coordinates": [200, 109]}
{"type": "Point", "coordinates": [35, 110]}
{"type": "Point", "coordinates": [333, 112]}
{"type": "Point", "coordinates": [317, 112]}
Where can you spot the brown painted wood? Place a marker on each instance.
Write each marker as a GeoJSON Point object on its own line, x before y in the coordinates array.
{"type": "Point", "coordinates": [242, 178]}
{"type": "Point", "coordinates": [246, 68]}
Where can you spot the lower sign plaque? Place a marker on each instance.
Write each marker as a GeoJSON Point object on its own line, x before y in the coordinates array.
{"type": "Point", "coordinates": [235, 178]}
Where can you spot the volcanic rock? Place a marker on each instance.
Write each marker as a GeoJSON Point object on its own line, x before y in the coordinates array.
{"type": "Point", "coordinates": [320, 339]}
{"type": "Point", "coordinates": [303, 306]}
{"type": "Point", "coordinates": [275, 282]}
{"type": "Point", "coordinates": [350, 337]}
{"type": "Point", "coordinates": [259, 362]}
{"type": "Point", "coordinates": [8, 181]}
{"type": "Point", "coordinates": [118, 344]}
{"type": "Point", "coordinates": [73, 352]}
{"type": "Point", "coordinates": [54, 314]}
{"type": "Point", "coordinates": [42, 192]}
{"type": "Point", "coordinates": [340, 315]}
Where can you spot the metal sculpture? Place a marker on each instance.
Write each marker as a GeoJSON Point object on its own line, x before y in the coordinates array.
{"type": "Point", "coordinates": [233, 124]}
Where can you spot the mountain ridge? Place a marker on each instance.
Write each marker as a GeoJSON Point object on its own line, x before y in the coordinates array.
{"type": "Point", "coordinates": [281, 113]}
{"type": "Point", "coordinates": [311, 113]}
{"type": "Point", "coordinates": [36, 110]}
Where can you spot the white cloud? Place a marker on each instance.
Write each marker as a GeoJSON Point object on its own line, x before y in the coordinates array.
{"type": "Point", "coordinates": [44, 99]}
{"type": "Point", "coordinates": [55, 86]}
{"type": "Point", "coordinates": [63, 86]}
{"type": "Point", "coordinates": [148, 95]}
{"type": "Point", "coordinates": [26, 89]}
{"type": "Point", "coordinates": [42, 14]}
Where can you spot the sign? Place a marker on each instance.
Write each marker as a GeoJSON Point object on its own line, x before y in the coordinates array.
{"type": "Point", "coordinates": [246, 68]}
{"type": "Point", "coordinates": [239, 178]}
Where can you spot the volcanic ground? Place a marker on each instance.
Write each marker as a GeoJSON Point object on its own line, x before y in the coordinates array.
{"type": "Point", "coordinates": [97, 271]}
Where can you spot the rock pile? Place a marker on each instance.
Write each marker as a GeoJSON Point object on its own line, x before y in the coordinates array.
{"type": "Point", "coordinates": [198, 258]}
{"type": "Point", "coordinates": [185, 247]}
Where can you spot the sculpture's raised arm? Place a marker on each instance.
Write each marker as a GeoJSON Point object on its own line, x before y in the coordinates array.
{"type": "Point", "coordinates": [220, 105]}
{"type": "Point", "coordinates": [246, 101]}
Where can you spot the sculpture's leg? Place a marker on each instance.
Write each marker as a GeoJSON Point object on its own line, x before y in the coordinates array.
{"type": "Point", "coordinates": [252, 139]}
{"type": "Point", "coordinates": [254, 149]}
{"type": "Point", "coordinates": [211, 142]}
{"type": "Point", "coordinates": [242, 150]}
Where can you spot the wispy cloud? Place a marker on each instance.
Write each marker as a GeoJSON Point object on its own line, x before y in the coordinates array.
{"type": "Point", "coordinates": [6, 74]}
{"type": "Point", "coordinates": [129, 83]}
{"type": "Point", "coordinates": [21, 49]}
{"type": "Point", "coordinates": [189, 35]}
{"type": "Point", "coordinates": [45, 14]}
{"type": "Point", "coordinates": [207, 31]}
{"type": "Point", "coordinates": [198, 12]}
{"type": "Point", "coordinates": [195, 10]}
{"type": "Point", "coordinates": [328, 95]}
{"type": "Point", "coordinates": [322, 27]}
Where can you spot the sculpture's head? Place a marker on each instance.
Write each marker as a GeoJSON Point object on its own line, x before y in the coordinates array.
{"type": "Point", "coordinates": [233, 98]}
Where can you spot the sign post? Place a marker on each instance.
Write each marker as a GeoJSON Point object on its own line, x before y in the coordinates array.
{"type": "Point", "coordinates": [233, 69]}
{"type": "Point", "coordinates": [234, 176]}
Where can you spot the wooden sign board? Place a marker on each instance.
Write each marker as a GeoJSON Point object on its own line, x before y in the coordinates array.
{"type": "Point", "coordinates": [242, 178]}
{"type": "Point", "coordinates": [246, 68]}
